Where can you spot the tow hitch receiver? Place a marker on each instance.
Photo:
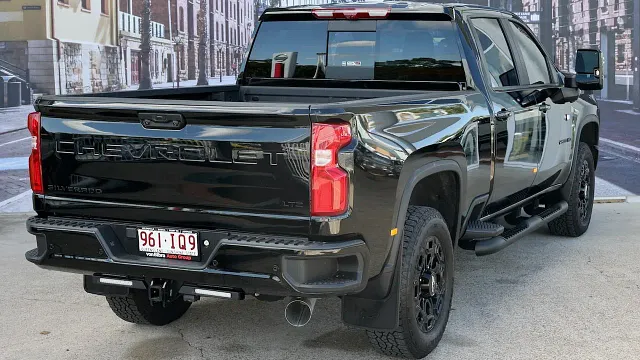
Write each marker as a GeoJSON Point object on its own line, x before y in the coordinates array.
{"type": "Point", "coordinates": [163, 291]}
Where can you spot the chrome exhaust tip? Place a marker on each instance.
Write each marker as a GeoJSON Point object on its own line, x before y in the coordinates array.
{"type": "Point", "coordinates": [298, 311]}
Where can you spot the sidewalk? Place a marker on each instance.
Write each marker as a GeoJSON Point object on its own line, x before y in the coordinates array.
{"type": "Point", "coordinates": [15, 118]}
{"type": "Point", "coordinates": [226, 80]}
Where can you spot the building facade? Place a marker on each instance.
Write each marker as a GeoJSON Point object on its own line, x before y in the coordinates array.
{"type": "Point", "coordinates": [232, 23]}
{"type": "Point", "coordinates": [593, 23]}
{"type": "Point", "coordinates": [224, 29]}
{"type": "Point", "coordinates": [67, 46]}
{"type": "Point", "coordinates": [84, 46]}
{"type": "Point", "coordinates": [130, 34]}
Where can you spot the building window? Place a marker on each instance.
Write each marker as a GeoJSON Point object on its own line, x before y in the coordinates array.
{"type": "Point", "coordinates": [157, 64]}
{"type": "Point", "coordinates": [86, 4]}
{"type": "Point", "coordinates": [217, 31]}
{"type": "Point", "coordinates": [104, 7]}
{"type": "Point", "coordinates": [620, 53]}
{"type": "Point", "coordinates": [151, 62]}
{"type": "Point", "coordinates": [181, 16]}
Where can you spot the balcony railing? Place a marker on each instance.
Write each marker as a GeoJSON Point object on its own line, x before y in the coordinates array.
{"type": "Point", "coordinates": [132, 24]}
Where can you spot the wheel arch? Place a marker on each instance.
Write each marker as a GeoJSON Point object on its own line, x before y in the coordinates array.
{"type": "Point", "coordinates": [589, 133]}
{"type": "Point", "coordinates": [377, 306]}
{"type": "Point", "coordinates": [416, 190]}
{"type": "Point", "coordinates": [441, 191]}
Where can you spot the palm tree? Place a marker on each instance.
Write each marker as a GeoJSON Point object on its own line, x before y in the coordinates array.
{"type": "Point", "coordinates": [145, 46]}
{"type": "Point", "coordinates": [202, 45]}
{"type": "Point", "coordinates": [226, 36]}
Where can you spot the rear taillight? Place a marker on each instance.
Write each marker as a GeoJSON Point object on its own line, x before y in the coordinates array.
{"type": "Point", "coordinates": [35, 160]}
{"type": "Point", "coordinates": [351, 13]}
{"type": "Point", "coordinates": [329, 182]}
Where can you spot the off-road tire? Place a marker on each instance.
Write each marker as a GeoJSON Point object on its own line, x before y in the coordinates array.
{"type": "Point", "coordinates": [408, 340]}
{"type": "Point", "coordinates": [576, 220]}
{"type": "Point", "coordinates": [136, 308]}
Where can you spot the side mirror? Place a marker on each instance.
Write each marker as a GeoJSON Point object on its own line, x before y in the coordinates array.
{"type": "Point", "coordinates": [570, 80]}
{"type": "Point", "coordinates": [567, 94]}
{"type": "Point", "coordinates": [589, 69]}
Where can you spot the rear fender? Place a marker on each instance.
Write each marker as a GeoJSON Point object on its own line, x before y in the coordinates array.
{"type": "Point", "coordinates": [377, 306]}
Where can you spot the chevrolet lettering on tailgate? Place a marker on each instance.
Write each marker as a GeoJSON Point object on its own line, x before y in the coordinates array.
{"type": "Point", "coordinates": [235, 153]}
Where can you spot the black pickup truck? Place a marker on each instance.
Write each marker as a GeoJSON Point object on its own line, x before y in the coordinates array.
{"type": "Point", "coordinates": [361, 144]}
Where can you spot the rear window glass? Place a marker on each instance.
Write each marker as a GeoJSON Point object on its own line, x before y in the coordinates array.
{"type": "Point", "coordinates": [397, 50]}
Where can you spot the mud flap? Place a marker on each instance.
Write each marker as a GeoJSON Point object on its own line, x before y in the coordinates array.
{"type": "Point", "coordinates": [371, 313]}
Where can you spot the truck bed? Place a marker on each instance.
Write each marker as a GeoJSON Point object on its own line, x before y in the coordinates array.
{"type": "Point", "coordinates": [225, 162]}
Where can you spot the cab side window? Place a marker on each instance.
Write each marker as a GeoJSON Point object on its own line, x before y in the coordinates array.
{"type": "Point", "coordinates": [497, 54]}
{"type": "Point", "coordinates": [537, 67]}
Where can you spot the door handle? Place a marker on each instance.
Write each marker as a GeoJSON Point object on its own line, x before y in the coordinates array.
{"type": "Point", "coordinates": [544, 107]}
{"type": "Point", "coordinates": [503, 115]}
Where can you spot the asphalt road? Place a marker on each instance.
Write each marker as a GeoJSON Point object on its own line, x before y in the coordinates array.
{"type": "Point", "coordinates": [542, 298]}
{"type": "Point", "coordinates": [619, 169]}
{"type": "Point", "coordinates": [619, 122]}
{"type": "Point", "coordinates": [14, 175]}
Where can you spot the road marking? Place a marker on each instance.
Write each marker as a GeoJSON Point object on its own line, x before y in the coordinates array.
{"type": "Point", "coordinates": [15, 141]}
{"type": "Point", "coordinates": [630, 112]}
{"type": "Point", "coordinates": [621, 156]}
{"type": "Point", "coordinates": [619, 144]}
{"type": "Point", "coordinates": [627, 102]}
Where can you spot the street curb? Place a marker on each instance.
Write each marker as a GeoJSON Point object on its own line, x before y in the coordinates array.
{"type": "Point", "coordinates": [616, 199]}
{"type": "Point", "coordinates": [610, 199]}
{"type": "Point", "coordinates": [17, 214]}
{"type": "Point", "coordinates": [17, 204]}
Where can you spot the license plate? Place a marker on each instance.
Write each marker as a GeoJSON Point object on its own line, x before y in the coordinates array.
{"type": "Point", "coordinates": [170, 244]}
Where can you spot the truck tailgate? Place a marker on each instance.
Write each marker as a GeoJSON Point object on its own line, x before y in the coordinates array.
{"type": "Point", "coordinates": [244, 158]}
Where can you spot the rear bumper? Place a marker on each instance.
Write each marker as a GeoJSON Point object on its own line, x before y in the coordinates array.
{"type": "Point", "coordinates": [234, 261]}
